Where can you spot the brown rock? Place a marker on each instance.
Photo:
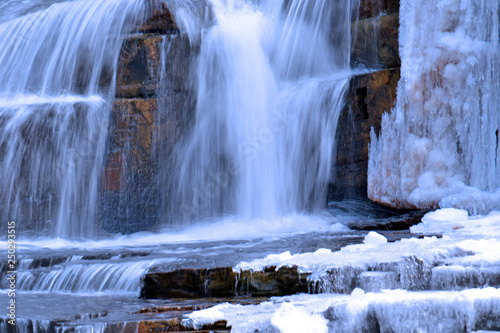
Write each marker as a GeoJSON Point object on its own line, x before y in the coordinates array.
{"type": "Point", "coordinates": [133, 131]}
{"type": "Point", "coordinates": [139, 67]}
{"type": "Point", "coordinates": [175, 325]}
{"type": "Point", "coordinates": [223, 282]}
{"type": "Point", "coordinates": [112, 180]}
{"type": "Point", "coordinates": [375, 42]}
{"type": "Point", "coordinates": [372, 8]}
{"type": "Point", "coordinates": [190, 283]}
{"type": "Point", "coordinates": [369, 96]}
{"type": "Point", "coordinates": [161, 21]}
{"type": "Point", "coordinates": [129, 194]}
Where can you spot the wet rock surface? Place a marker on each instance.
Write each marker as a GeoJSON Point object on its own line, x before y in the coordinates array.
{"type": "Point", "coordinates": [161, 21]}
{"type": "Point", "coordinates": [129, 197]}
{"type": "Point", "coordinates": [372, 8]}
{"type": "Point", "coordinates": [224, 282]}
{"type": "Point", "coordinates": [139, 66]}
{"type": "Point", "coordinates": [369, 96]}
{"type": "Point", "coordinates": [375, 42]}
{"type": "Point", "coordinates": [151, 112]}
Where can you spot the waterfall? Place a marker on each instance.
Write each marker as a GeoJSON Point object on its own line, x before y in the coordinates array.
{"type": "Point", "coordinates": [270, 78]}
{"type": "Point", "coordinates": [269, 85]}
{"type": "Point", "coordinates": [57, 83]}
{"type": "Point", "coordinates": [440, 147]}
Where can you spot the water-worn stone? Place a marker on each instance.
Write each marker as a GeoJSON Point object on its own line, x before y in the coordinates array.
{"type": "Point", "coordinates": [190, 283]}
{"type": "Point", "coordinates": [175, 325]}
{"type": "Point", "coordinates": [369, 96]}
{"type": "Point", "coordinates": [272, 282]}
{"type": "Point", "coordinates": [140, 65]}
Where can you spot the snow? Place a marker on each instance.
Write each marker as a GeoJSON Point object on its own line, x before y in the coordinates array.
{"type": "Point", "coordinates": [451, 278]}
{"type": "Point", "coordinates": [467, 240]}
{"type": "Point", "coordinates": [374, 238]}
{"type": "Point", "coordinates": [289, 318]}
{"type": "Point", "coordinates": [391, 310]}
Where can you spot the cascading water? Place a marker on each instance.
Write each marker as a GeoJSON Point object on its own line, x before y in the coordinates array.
{"type": "Point", "coordinates": [440, 145]}
{"type": "Point", "coordinates": [58, 63]}
{"type": "Point", "coordinates": [270, 77]}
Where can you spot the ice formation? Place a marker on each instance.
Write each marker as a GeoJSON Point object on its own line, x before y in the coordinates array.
{"type": "Point", "coordinates": [448, 282]}
{"type": "Point", "coordinates": [439, 145]}
{"type": "Point", "coordinates": [389, 311]}
{"type": "Point", "coordinates": [466, 240]}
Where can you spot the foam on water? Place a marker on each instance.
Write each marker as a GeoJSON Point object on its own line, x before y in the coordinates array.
{"type": "Point", "coordinates": [230, 228]}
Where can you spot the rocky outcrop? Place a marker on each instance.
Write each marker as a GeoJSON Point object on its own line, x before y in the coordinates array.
{"type": "Point", "coordinates": [176, 325]}
{"type": "Point", "coordinates": [373, 8]}
{"type": "Point", "coordinates": [161, 21]}
{"type": "Point", "coordinates": [139, 66]}
{"type": "Point", "coordinates": [224, 282]}
{"type": "Point", "coordinates": [369, 96]}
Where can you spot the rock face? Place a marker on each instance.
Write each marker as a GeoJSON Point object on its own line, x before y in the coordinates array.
{"type": "Point", "coordinates": [161, 22]}
{"type": "Point", "coordinates": [146, 121]}
{"type": "Point", "coordinates": [223, 282]}
{"type": "Point", "coordinates": [370, 95]}
{"type": "Point", "coordinates": [139, 66]}
{"type": "Point", "coordinates": [375, 45]}
{"type": "Point", "coordinates": [375, 42]}
{"type": "Point", "coordinates": [373, 8]}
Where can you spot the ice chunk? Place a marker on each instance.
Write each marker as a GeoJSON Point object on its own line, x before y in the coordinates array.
{"type": "Point", "coordinates": [358, 293]}
{"type": "Point", "coordinates": [374, 238]}
{"type": "Point", "coordinates": [290, 319]}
